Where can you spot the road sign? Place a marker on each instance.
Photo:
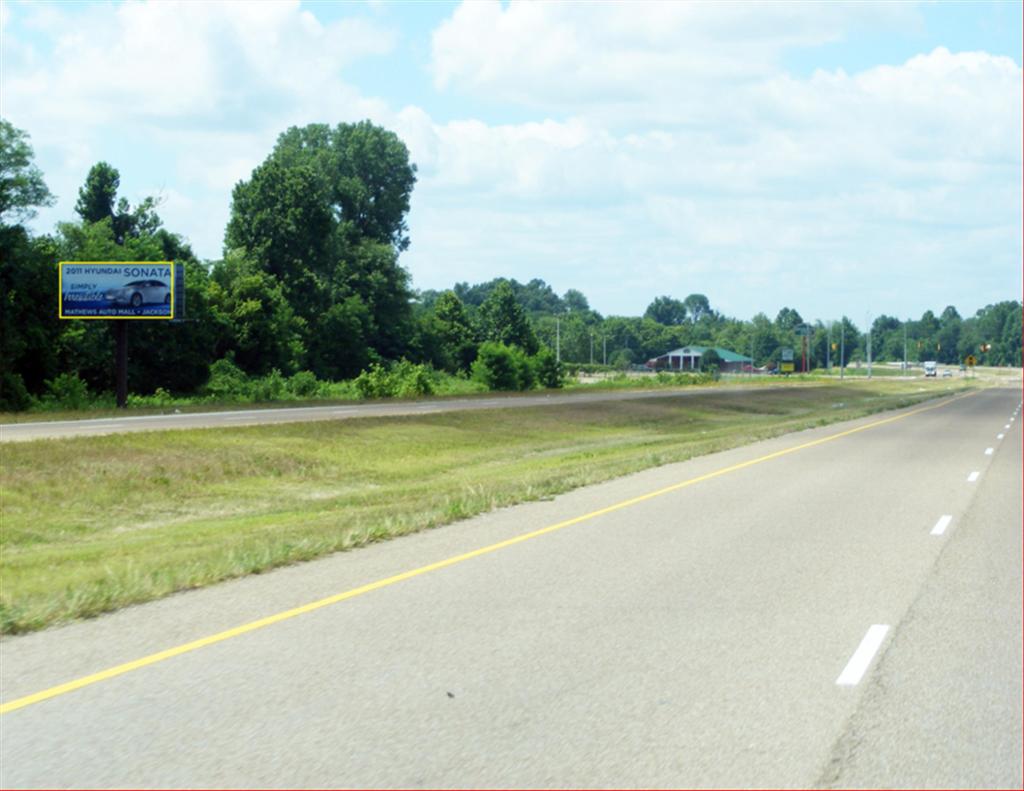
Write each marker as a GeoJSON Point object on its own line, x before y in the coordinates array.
{"type": "Point", "coordinates": [787, 355]}
{"type": "Point", "coordinates": [802, 329]}
{"type": "Point", "coordinates": [787, 368]}
{"type": "Point", "coordinates": [971, 361]}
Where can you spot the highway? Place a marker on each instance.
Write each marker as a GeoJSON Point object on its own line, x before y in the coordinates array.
{"type": "Point", "coordinates": [840, 607]}
{"type": "Point", "coordinates": [58, 429]}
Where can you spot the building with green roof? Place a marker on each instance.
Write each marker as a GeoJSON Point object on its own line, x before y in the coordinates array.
{"type": "Point", "coordinates": [688, 358]}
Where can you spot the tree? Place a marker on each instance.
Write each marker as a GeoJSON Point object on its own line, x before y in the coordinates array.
{"type": "Point", "coordinates": [324, 216]}
{"type": "Point", "coordinates": [366, 175]}
{"type": "Point", "coordinates": [22, 188]}
{"type": "Point", "coordinates": [97, 201]}
{"type": "Point", "coordinates": [263, 331]}
{"type": "Point", "coordinates": [29, 327]}
{"type": "Point", "coordinates": [282, 218]}
{"type": "Point", "coordinates": [697, 307]}
{"type": "Point", "coordinates": [788, 319]}
{"type": "Point", "coordinates": [503, 320]}
{"type": "Point", "coordinates": [98, 196]}
{"type": "Point", "coordinates": [711, 361]}
{"type": "Point", "coordinates": [575, 302]}
{"type": "Point", "coordinates": [455, 330]}
{"type": "Point", "coordinates": [667, 311]}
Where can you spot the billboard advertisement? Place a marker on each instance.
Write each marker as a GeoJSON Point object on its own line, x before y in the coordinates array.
{"type": "Point", "coordinates": [116, 290]}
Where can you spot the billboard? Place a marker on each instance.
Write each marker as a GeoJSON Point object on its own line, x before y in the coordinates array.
{"type": "Point", "coordinates": [116, 289]}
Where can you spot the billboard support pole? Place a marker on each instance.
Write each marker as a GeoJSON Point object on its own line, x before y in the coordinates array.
{"type": "Point", "coordinates": [121, 360]}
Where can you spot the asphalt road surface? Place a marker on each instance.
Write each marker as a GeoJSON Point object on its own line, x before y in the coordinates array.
{"type": "Point", "coordinates": [21, 432]}
{"type": "Point", "coordinates": [839, 607]}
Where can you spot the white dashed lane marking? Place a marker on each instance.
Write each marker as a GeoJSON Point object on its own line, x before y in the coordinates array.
{"type": "Point", "coordinates": [858, 664]}
{"type": "Point", "coordinates": [942, 524]}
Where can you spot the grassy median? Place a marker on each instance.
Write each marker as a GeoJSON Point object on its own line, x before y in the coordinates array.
{"type": "Point", "coordinates": [93, 524]}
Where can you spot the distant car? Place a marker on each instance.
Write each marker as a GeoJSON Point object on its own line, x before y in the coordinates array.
{"type": "Point", "coordinates": [947, 372]}
{"type": "Point", "coordinates": [139, 293]}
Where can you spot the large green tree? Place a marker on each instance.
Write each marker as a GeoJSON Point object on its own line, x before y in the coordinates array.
{"type": "Point", "coordinates": [22, 189]}
{"type": "Point", "coordinates": [503, 320]}
{"type": "Point", "coordinates": [325, 217]}
{"type": "Point", "coordinates": [28, 322]}
{"type": "Point", "coordinates": [666, 310]}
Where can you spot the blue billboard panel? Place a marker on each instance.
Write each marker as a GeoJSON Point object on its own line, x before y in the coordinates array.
{"type": "Point", "coordinates": [117, 290]}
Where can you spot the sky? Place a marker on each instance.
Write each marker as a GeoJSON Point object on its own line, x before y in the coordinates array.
{"type": "Point", "coordinates": [849, 159]}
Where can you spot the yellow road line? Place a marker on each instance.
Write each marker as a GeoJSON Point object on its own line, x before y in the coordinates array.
{"type": "Point", "coordinates": [252, 626]}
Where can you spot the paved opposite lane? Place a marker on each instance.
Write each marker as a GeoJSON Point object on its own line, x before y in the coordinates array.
{"type": "Point", "coordinates": [22, 432]}
{"type": "Point", "coordinates": [693, 638]}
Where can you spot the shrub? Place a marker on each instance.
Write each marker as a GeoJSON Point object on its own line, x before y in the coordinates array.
{"type": "Point", "coordinates": [304, 384]}
{"type": "Point", "coordinates": [66, 391]}
{"type": "Point", "coordinates": [272, 387]}
{"type": "Point", "coordinates": [549, 370]}
{"type": "Point", "coordinates": [227, 381]}
{"type": "Point", "coordinates": [496, 367]}
{"type": "Point", "coordinates": [402, 380]}
{"type": "Point", "coordinates": [411, 380]}
{"type": "Point", "coordinates": [373, 382]}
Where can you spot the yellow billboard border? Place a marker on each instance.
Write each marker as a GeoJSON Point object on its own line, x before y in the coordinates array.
{"type": "Point", "coordinates": [60, 290]}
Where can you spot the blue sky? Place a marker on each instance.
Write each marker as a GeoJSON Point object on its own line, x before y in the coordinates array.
{"type": "Point", "coordinates": [854, 159]}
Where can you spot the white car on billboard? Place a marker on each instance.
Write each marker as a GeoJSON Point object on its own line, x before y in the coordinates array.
{"type": "Point", "coordinates": [139, 293]}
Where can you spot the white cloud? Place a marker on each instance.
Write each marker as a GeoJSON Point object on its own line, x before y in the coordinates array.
{"type": "Point", "coordinates": [224, 62]}
{"type": "Point", "coordinates": [667, 147]}
{"type": "Point", "coordinates": [203, 87]}
{"type": "Point", "coordinates": [705, 160]}
{"type": "Point", "coordinates": [632, 59]}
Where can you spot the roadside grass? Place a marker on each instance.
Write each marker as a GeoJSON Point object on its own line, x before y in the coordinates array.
{"type": "Point", "coordinates": [90, 525]}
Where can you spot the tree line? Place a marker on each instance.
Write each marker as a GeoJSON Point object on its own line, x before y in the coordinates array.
{"type": "Point", "coordinates": [310, 282]}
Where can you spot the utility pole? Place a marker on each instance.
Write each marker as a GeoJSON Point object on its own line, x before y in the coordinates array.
{"type": "Point", "coordinates": [904, 348]}
{"type": "Point", "coordinates": [867, 320]}
{"type": "Point", "coordinates": [828, 350]}
{"type": "Point", "coordinates": [558, 341]}
{"type": "Point", "coordinates": [842, 348]}
{"type": "Point", "coordinates": [591, 348]}
{"type": "Point", "coordinates": [604, 350]}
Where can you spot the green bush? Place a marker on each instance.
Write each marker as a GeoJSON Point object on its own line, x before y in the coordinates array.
{"type": "Point", "coordinates": [304, 384]}
{"type": "Point", "coordinates": [272, 387]}
{"type": "Point", "coordinates": [66, 391]}
{"type": "Point", "coordinates": [401, 380]}
{"type": "Point", "coordinates": [411, 380]}
{"type": "Point", "coordinates": [159, 398]}
{"type": "Point", "coordinates": [501, 367]}
{"type": "Point", "coordinates": [228, 382]}
{"type": "Point", "coordinates": [496, 367]}
{"type": "Point", "coordinates": [549, 370]}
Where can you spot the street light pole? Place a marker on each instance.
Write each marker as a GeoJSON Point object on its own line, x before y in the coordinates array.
{"type": "Point", "coordinates": [828, 350]}
{"type": "Point", "coordinates": [867, 320]}
{"type": "Point", "coordinates": [558, 340]}
{"type": "Point", "coordinates": [904, 348]}
{"type": "Point", "coordinates": [842, 349]}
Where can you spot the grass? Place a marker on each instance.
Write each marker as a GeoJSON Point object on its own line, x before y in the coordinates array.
{"type": "Point", "coordinates": [94, 524]}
